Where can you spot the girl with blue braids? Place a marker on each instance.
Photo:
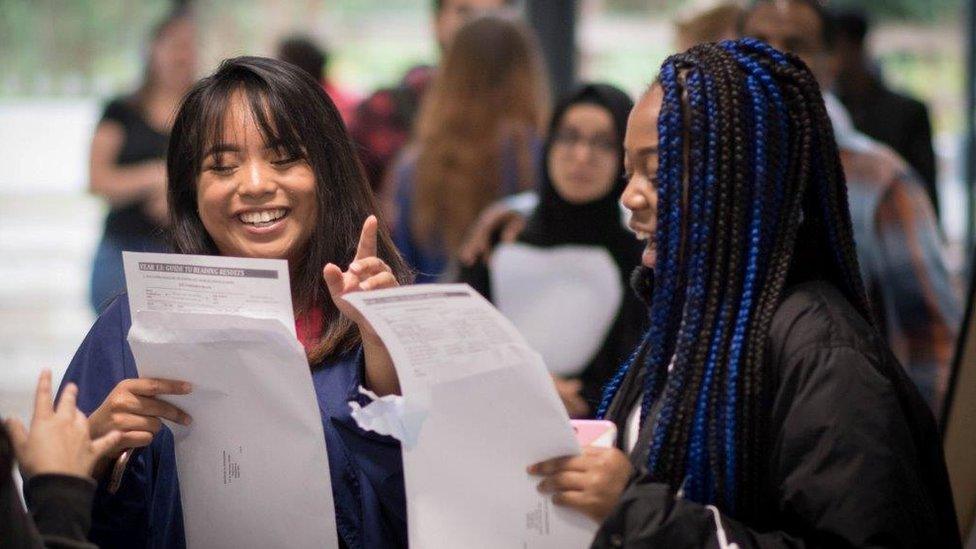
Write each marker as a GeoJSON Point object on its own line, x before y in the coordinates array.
{"type": "Point", "coordinates": [761, 409]}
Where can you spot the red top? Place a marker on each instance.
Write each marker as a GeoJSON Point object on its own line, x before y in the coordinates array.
{"type": "Point", "coordinates": [309, 328]}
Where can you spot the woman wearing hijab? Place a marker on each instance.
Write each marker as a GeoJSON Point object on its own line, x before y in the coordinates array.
{"type": "Point", "coordinates": [571, 264]}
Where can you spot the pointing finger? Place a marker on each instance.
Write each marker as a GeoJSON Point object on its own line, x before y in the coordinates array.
{"type": "Point", "coordinates": [367, 239]}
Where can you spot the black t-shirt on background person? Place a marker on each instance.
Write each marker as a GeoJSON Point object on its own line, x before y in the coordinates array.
{"type": "Point", "coordinates": [141, 143]}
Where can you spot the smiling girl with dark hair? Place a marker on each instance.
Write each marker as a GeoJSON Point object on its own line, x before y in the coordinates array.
{"type": "Point", "coordinates": [259, 165]}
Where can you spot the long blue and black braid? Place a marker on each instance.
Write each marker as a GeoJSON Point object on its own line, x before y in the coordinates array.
{"type": "Point", "coordinates": [747, 162]}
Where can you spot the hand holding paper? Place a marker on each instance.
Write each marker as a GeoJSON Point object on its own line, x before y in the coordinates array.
{"type": "Point", "coordinates": [226, 325]}
{"type": "Point", "coordinates": [478, 406]}
{"type": "Point", "coordinates": [133, 409]}
{"type": "Point", "coordinates": [590, 483]}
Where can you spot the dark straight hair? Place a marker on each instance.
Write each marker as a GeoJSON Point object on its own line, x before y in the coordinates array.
{"type": "Point", "coordinates": [293, 112]}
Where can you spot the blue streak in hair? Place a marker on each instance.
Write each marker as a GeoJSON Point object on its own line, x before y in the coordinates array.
{"type": "Point", "coordinates": [697, 249]}
{"type": "Point", "coordinates": [750, 283]}
{"type": "Point", "coordinates": [612, 385]}
{"type": "Point", "coordinates": [668, 236]}
{"type": "Point", "coordinates": [701, 485]}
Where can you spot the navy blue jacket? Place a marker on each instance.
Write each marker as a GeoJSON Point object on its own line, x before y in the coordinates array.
{"type": "Point", "coordinates": [366, 468]}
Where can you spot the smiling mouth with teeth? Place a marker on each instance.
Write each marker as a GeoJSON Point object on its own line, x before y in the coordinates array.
{"type": "Point", "coordinates": [262, 218]}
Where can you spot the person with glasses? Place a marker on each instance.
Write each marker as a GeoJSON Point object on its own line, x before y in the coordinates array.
{"type": "Point", "coordinates": [574, 255]}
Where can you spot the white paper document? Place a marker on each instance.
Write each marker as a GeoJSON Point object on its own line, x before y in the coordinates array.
{"type": "Point", "coordinates": [480, 408]}
{"type": "Point", "coordinates": [253, 467]}
{"type": "Point", "coordinates": [563, 299]}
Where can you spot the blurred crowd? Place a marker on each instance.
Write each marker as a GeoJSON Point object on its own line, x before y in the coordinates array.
{"type": "Point", "coordinates": [469, 154]}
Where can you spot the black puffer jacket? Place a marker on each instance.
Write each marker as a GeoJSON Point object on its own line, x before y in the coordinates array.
{"type": "Point", "coordinates": [855, 458]}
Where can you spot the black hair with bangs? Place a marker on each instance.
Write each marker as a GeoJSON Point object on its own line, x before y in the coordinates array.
{"type": "Point", "coordinates": [294, 114]}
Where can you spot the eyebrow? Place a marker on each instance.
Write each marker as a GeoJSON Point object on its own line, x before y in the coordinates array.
{"type": "Point", "coordinates": [230, 147]}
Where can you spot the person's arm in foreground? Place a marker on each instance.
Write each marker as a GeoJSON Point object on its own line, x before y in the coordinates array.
{"type": "Point", "coordinates": [56, 457]}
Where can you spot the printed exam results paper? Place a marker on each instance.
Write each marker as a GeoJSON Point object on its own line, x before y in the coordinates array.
{"type": "Point", "coordinates": [253, 467]}
{"type": "Point", "coordinates": [492, 410]}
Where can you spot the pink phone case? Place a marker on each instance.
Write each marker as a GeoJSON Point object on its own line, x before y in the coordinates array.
{"type": "Point", "coordinates": [595, 432]}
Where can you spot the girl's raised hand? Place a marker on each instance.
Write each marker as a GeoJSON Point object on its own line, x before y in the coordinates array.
{"type": "Point", "coordinates": [366, 272]}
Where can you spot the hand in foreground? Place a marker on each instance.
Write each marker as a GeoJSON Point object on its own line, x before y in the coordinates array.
{"type": "Point", "coordinates": [59, 441]}
{"type": "Point", "coordinates": [499, 218]}
{"type": "Point", "coordinates": [569, 393]}
{"type": "Point", "coordinates": [366, 272]}
{"type": "Point", "coordinates": [590, 483]}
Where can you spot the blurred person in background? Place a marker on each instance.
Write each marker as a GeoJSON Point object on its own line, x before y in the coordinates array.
{"type": "Point", "coordinates": [709, 23]}
{"type": "Point", "coordinates": [912, 293]}
{"type": "Point", "coordinates": [127, 163]}
{"type": "Point", "coordinates": [307, 55]}
{"type": "Point", "coordinates": [504, 220]}
{"type": "Point", "coordinates": [894, 119]}
{"type": "Point", "coordinates": [382, 123]}
{"type": "Point", "coordinates": [56, 458]}
{"type": "Point", "coordinates": [579, 213]}
{"type": "Point", "coordinates": [477, 139]}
